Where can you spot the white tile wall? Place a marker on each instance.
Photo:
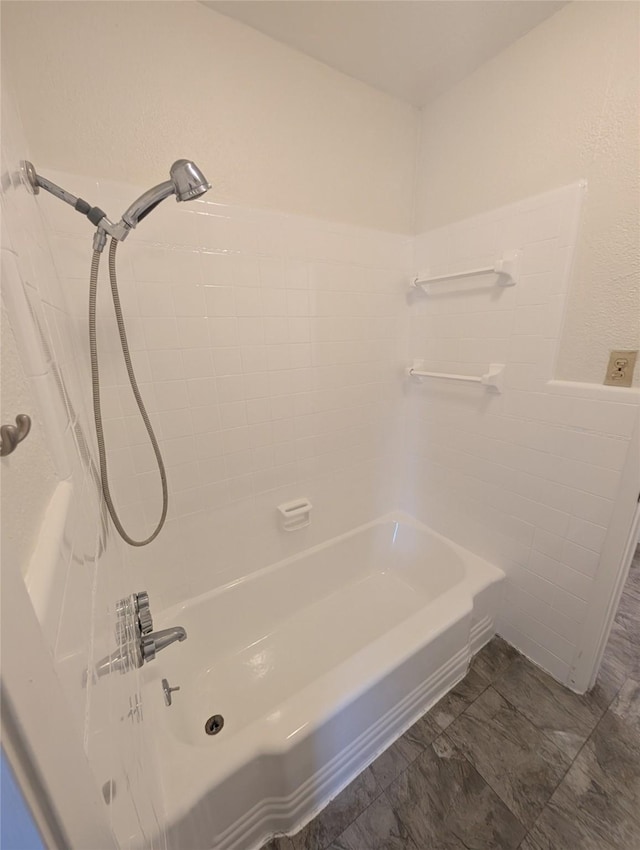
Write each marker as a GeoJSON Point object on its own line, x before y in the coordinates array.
{"type": "Point", "coordinates": [90, 570]}
{"type": "Point", "coordinates": [270, 349]}
{"type": "Point", "coordinates": [268, 352]}
{"type": "Point", "coordinates": [528, 478]}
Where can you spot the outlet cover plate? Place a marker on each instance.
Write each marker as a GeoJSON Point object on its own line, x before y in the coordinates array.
{"type": "Point", "coordinates": [620, 368]}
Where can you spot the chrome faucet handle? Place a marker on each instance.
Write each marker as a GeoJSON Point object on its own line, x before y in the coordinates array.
{"type": "Point", "coordinates": [146, 621]}
{"type": "Point", "coordinates": [137, 642]}
{"type": "Point", "coordinates": [148, 647]}
{"type": "Point", "coordinates": [143, 611]}
{"type": "Point", "coordinates": [142, 599]}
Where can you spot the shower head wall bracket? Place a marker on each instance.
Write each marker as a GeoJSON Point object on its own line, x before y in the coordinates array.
{"type": "Point", "coordinates": [30, 176]}
{"type": "Point", "coordinates": [35, 182]}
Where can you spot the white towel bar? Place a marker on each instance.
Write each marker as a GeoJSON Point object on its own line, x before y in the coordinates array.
{"type": "Point", "coordinates": [492, 380]}
{"type": "Point", "coordinates": [507, 267]}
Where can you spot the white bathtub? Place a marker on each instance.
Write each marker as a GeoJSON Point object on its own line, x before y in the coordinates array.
{"type": "Point", "coordinates": [317, 664]}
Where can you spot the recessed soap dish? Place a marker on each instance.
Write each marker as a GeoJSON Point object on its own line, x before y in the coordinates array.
{"type": "Point", "coordinates": [295, 514]}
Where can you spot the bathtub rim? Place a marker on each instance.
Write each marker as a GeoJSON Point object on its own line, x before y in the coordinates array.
{"type": "Point", "coordinates": [165, 616]}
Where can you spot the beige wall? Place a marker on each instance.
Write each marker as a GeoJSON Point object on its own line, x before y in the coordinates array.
{"type": "Point", "coordinates": [121, 89]}
{"type": "Point", "coordinates": [273, 128]}
{"type": "Point", "coordinates": [558, 105]}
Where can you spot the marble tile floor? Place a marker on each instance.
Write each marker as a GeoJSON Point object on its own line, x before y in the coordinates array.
{"type": "Point", "coordinates": [508, 760]}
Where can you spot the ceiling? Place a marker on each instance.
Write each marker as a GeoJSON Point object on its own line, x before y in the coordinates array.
{"type": "Point", "coordinates": [411, 49]}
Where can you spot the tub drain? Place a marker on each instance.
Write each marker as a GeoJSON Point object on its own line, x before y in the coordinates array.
{"type": "Point", "coordinates": [214, 724]}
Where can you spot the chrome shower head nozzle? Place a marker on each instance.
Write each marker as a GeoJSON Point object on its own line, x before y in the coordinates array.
{"type": "Point", "coordinates": [188, 180]}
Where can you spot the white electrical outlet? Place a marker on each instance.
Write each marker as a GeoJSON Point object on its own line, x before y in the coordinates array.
{"type": "Point", "coordinates": [620, 368]}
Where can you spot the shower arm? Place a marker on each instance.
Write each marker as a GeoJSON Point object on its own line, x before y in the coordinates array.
{"type": "Point", "coordinates": [96, 216]}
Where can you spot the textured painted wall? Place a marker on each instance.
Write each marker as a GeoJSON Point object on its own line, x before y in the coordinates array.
{"type": "Point", "coordinates": [558, 105]}
{"type": "Point", "coordinates": [149, 82]}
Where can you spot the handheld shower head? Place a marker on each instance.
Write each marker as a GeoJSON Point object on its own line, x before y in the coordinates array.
{"type": "Point", "coordinates": [186, 183]}
{"type": "Point", "coordinates": [189, 182]}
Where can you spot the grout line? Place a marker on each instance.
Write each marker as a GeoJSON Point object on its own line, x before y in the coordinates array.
{"type": "Point", "coordinates": [377, 797]}
{"type": "Point", "coordinates": [605, 711]}
{"type": "Point", "coordinates": [430, 744]}
{"type": "Point", "coordinates": [397, 815]}
{"type": "Point", "coordinates": [488, 784]}
{"type": "Point", "coordinates": [476, 768]}
{"type": "Point", "coordinates": [546, 805]}
{"type": "Point", "coordinates": [383, 791]}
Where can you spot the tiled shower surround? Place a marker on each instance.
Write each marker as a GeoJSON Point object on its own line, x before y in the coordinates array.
{"type": "Point", "coordinates": [527, 479]}
{"type": "Point", "coordinates": [269, 351]}
{"type": "Point", "coordinates": [272, 352]}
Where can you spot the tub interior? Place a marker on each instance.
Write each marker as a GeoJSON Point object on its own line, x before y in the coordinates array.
{"type": "Point", "coordinates": [256, 642]}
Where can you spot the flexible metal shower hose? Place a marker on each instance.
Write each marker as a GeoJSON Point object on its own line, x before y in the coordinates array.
{"type": "Point", "coordinates": [95, 381]}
